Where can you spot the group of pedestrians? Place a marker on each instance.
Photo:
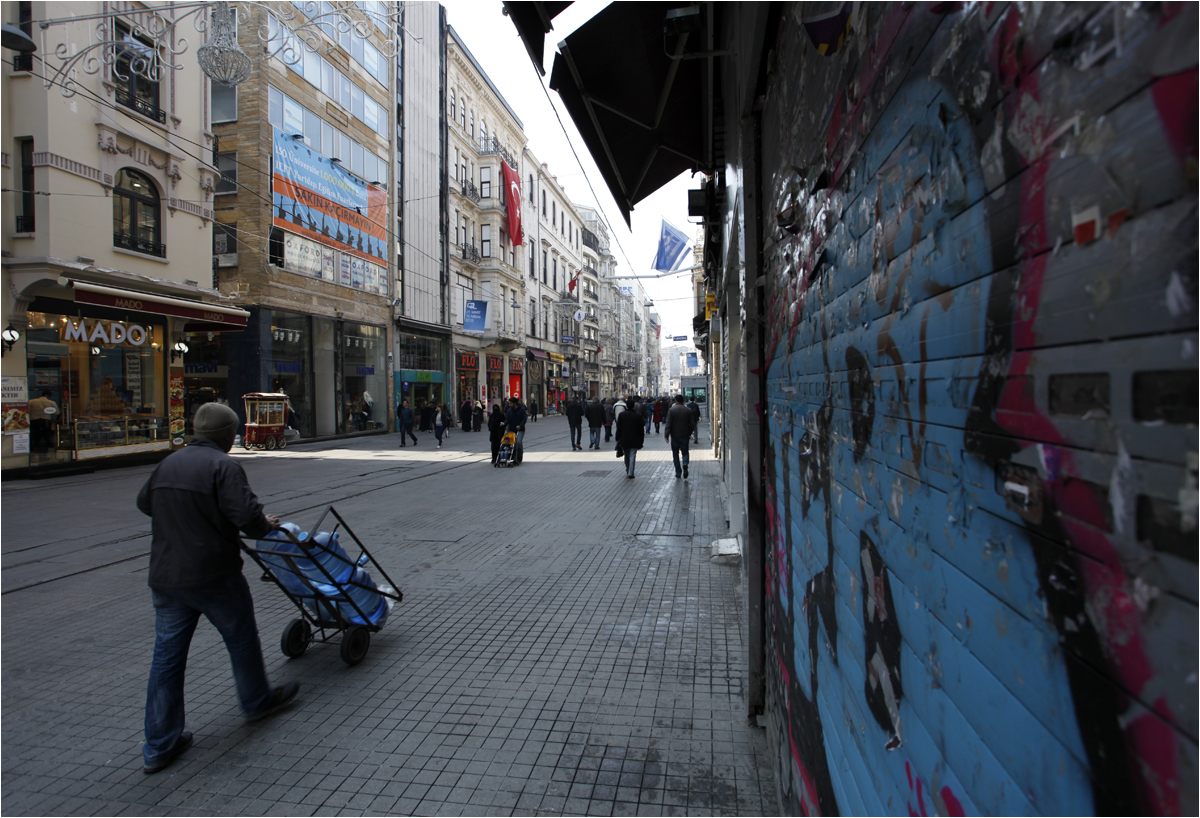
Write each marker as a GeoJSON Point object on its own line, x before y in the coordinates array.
{"type": "Point", "coordinates": [677, 421]}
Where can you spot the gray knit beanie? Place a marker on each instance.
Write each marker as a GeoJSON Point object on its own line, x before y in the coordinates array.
{"type": "Point", "coordinates": [215, 421]}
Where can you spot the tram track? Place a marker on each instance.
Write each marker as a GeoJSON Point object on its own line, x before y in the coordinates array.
{"type": "Point", "coordinates": [410, 474]}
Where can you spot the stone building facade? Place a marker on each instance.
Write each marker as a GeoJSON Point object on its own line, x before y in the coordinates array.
{"type": "Point", "coordinates": [106, 236]}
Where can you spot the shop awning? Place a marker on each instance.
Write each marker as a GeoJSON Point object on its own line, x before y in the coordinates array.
{"type": "Point", "coordinates": [204, 316]}
{"type": "Point", "coordinates": [536, 354]}
{"type": "Point", "coordinates": [533, 24]}
{"type": "Point", "coordinates": [639, 85]}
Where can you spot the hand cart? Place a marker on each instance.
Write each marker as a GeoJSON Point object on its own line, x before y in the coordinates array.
{"type": "Point", "coordinates": [304, 568]}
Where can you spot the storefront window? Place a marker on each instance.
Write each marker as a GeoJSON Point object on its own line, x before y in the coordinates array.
{"type": "Point", "coordinates": [364, 392]}
{"type": "Point", "coordinates": [104, 378]}
{"type": "Point", "coordinates": [287, 354]}
{"type": "Point", "coordinates": [205, 373]}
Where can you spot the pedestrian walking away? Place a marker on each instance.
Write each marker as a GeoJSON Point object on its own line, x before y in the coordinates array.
{"type": "Point", "coordinates": [496, 429]}
{"type": "Point", "coordinates": [514, 421]}
{"type": "Point", "coordinates": [595, 418]}
{"type": "Point", "coordinates": [441, 421]}
{"type": "Point", "coordinates": [405, 414]}
{"type": "Point", "coordinates": [574, 411]}
{"type": "Point", "coordinates": [609, 416]}
{"type": "Point", "coordinates": [678, 430]}
{"type": "Point", "coordinates": [198, 499]}
{"type": "Point", "coordinates": [464, 414]}
{"type": "Point", "coordinates": [631, 436]}
{"type": "Point", "coordinates": [695, 410]}
{"type": "Point", "coordinates": [533, 410]}
{"type": "Point", "coordinates": [618, 407]}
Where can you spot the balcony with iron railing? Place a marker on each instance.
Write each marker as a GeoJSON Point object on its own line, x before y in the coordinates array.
{"type": "Point", "coordinates": [470, 191]}
{"type": "Point", "coordinates": [144, 107]}
{"type": "Point", "coordinates": [491, 146]}
{"type": "Point", "coordinates": [139, 245]}
{"type": "Point", "coordinates": [470, 253]}
{"type": "Point", "coordinates": [589, 239]}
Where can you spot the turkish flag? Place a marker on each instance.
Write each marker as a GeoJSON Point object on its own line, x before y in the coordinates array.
{"type": "Point", "coordinates": [512, 188]}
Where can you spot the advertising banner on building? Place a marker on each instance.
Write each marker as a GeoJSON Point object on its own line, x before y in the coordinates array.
{"type": "Point", "coordinates": [475, 316]}
{"type": "Point", "coordinates": [693, 360]}
{"type": "Point", "coordinates": [320, 200]}
{"type": "Point", "coordinates": [301, 255]}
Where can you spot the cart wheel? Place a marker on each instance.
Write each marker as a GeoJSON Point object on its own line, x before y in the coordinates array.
{"type": "Point", "coordinates": [281, 442]}
{"type": "Point", "coordinates": [246, 444]}
{"type": "Point", "coordinates": [355, 642]}
{"type": "Point", "coordinates": [295, 639]}
{"type": "Point", "coordinates": [269, 444]}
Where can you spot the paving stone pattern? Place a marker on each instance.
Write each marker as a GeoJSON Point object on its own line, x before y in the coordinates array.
{"type": "Point", "coordinates": [564, 646]}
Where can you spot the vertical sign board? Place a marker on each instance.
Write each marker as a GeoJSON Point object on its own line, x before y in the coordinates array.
{"type": "Point", "coordinates": [322, 201]}
{"type": "Point", "coordinates": [15, 400]}
{"type": "Point", "coordinates": [178, 425]}
{"type": "Point", "coordinates": [475, 316]}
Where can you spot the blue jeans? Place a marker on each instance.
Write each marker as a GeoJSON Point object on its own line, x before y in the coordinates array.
{"type": "Point", "coordinates": [594, 436]}
{"type": "Point", "coordinates": [438, 431]}
{"type": "Point", "coordinates": [407, 432]}
{"type": "Point", "coordinates": [229, 607]}
{"type": "Point", "coordinates": [519, 449]}
{"type": "Point", "coordinates": [576, 434]}
{"type": "Point", "coordinates": [680, 447]}
{"type": "Point", "coordinates": [630, 460]}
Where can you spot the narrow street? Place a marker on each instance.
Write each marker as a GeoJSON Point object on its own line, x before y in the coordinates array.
{"type": "Point", "coordinates": [565, 645]}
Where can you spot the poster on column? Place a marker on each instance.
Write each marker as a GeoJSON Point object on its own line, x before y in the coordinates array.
{"type": "Point", "coordinates": [322, 201]}
{"type": "Point", "coordinates": [178, 424]}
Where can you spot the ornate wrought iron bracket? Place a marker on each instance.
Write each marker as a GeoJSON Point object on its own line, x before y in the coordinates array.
{"type": "Point", "coordinates": [146, 42]}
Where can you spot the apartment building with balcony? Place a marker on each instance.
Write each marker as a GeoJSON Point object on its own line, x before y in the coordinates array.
{"type": "Point", "coordinates": [554, 236]}
{"type": "Point", "coordinates": [488, 301]}
{"type": "Point", "coordinates": [110, 173]}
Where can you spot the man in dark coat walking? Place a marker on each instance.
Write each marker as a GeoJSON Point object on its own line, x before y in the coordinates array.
{"type": "Point", "coordinates": [575, 422]}
{"type": "Point", "coordinates": [198, 499]}
{"type": "Point", "coordinates": [695, 410]}
{"type": "Point", "coordinates": [514, 421]}
{"type": "Point", "coordinates": [631, 436]}
{"type": "Point", "coordinates": [595, 419]}
{"type": "Point", "coordinates": [678, 430]}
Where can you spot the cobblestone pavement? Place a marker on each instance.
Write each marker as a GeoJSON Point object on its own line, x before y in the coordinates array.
{"type": "Point", "coordinates": [564, 646]}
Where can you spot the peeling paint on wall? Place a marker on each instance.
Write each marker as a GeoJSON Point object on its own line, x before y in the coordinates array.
{"type": "Point", "coordinates": [982, 410]}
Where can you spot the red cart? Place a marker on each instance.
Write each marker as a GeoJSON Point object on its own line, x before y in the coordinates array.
{"type": "Point", "coordinates": [266, 420]}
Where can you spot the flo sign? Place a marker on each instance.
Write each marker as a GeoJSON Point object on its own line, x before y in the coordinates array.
{"type": "Point", "coordinates": [88, 331]}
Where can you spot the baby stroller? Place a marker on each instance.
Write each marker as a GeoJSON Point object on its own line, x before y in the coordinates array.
{"type": "Point", "coordinates": [507, 457]}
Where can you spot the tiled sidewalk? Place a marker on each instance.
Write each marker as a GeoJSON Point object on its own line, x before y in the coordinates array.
{"type": "Point", "coordinates": [564, 647]}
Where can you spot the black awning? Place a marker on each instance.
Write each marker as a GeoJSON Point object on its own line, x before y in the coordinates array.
{"type": "Point", "coordinates": [642, 114]}
{"type": "Point", "coordinates": [533, 24]}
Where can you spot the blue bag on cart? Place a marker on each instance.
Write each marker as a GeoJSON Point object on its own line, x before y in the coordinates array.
{"type": "Point", "coordinates": [325, 553]}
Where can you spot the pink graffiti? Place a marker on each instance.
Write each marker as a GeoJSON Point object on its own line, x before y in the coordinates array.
{"type": "Point", "coordinates": [1105, 580]}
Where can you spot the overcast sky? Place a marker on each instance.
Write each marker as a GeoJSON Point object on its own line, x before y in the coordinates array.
{"type": "Point", "coordinates": [493, 39]}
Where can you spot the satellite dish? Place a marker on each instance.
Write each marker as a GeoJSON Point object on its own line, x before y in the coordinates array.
{"type": "Point", "coordinates": [579, 315]}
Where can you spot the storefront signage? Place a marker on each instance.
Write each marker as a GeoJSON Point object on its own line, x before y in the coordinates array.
{"type": "Point", "coordinates": [322, 201]}
{"type": "Point", "coordinates": [16, 405]}
{"type": "Point", "coordinates": [710, 306]}
{"type": "Point", "coordinates": [514, 365]}
{"type": "Point", "coordinates": [176, 307]}
{"type": "Point", "coordinates": [568, 339]}
{"type": "Point", "coordinates": [178, 424]}
{"type": "Point", "coordinates": [495, 363]}
{"type": "Point", "coordinates": [89, 331]}
{"type": "Point", "coordinates": [289, 368]}
{"type": "Point", "coordinates": [365, 370]}
{"type": "Point", "coordinates": [424, 377]}
{"type": "Point", "coordinates": [201, 370]}
{"type": "Point", "coordinates": [468, 360]}
{"type": "Point", "coordinates": [556, 356]}
{"type": "Point", "coordinates": [311, 258]}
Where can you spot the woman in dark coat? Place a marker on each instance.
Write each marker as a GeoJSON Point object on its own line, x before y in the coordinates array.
{"type": "Point", "coordinates": [464, 414]}
{"type": "Point", "coordinates": [496, 429]}
{"type": "Point", "coordinates": [630, 436]}
{"type": "Point", "coordinates": [477, 415]}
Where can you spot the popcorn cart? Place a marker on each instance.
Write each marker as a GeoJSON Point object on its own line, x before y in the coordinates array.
{"type": "Point", "coordinates": [266, 420]}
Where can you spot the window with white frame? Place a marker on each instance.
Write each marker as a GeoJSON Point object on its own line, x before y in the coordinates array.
{"type": "Point", "coordinates": [485, 240]}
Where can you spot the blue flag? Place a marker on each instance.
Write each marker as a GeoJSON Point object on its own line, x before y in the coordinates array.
{"type": "Point", "coordinates": [672, 244]}
{"type": "Point", "coordinates": [475, 319]}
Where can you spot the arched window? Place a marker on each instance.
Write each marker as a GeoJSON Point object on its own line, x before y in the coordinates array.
{"type": "Point", "coordinates": [137, 214]}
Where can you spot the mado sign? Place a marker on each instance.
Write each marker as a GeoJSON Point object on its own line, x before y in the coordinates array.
{"type": "Point", "coordinates": [88, 331]}
{"type": "Point", "coordinates": [322, 201]}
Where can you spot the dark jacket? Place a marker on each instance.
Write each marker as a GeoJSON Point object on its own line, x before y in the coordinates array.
{"type": "Point", "coordinates": [609, 414]}
{"type": "Point", "coordinates": [631, 431]}
{"type": "Point", "coordinates": [679, 422]}
{"type": "Point", "coordinates": [595, 414]}
{"type": "Point", "coordinates": [198, 499]}
{"type": "Point", "coordinates": [496, 425]}
{"type": "Point", "coordinates": [514, 418]}
{"type": "Point", "coordinates": [695, 409]}
{"type": "Point", "coordinates": [406, 415]}
{"type": "Point", "coordinates": [574, 413]}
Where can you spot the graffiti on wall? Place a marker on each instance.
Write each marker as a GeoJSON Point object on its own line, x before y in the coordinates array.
{"type": "Point", "coordinates": [981, 399]}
